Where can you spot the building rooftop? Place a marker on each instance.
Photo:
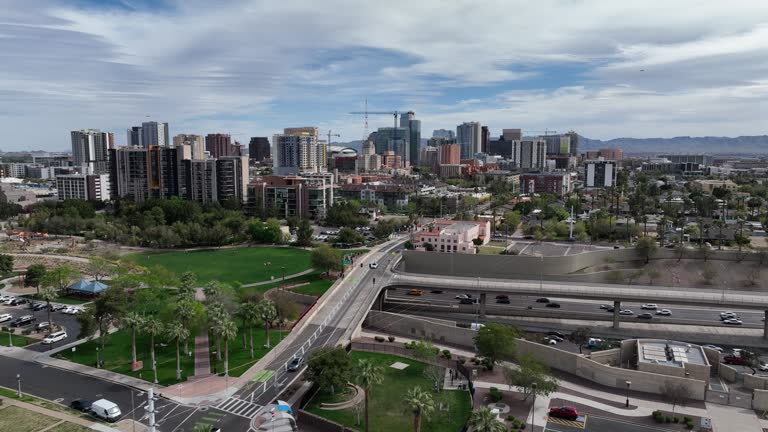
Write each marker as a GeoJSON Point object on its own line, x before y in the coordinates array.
{"type": "Point", "coordinates": [669, 353]}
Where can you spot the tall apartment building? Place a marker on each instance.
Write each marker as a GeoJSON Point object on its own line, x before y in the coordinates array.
{"type": "Point", "coordinates": [90, 150]}
{"type": "Point", "coordinates": [91, 187]}
{"type": "Point", "coordinates": [220, 145]}
{"type": "Point", "coordinates": [134, 137]}
{"type": "Point", "coordinates": [232, 178]}
{"type": "Point", "coordinates": [553, 183]}
{"type": "Point", "coordinates": [409, 122]}
{"type": "Point", "coordinates": [574, 139]}
{"type": "Point", "coordinates": [469, 137]}
{"type": "Point", "coordinates": [155, 134]}
{"type": "Point", "coordinates": [14, 169]}
{"type": "Point", "coordinates": [166, 171]}
{"type": "Point", "coordinates": [298, 150]}
{"type": "Point", "coordinates": [201, 180]}
{"type": "Point", "coordinates": [529, 154]}
{"type": "Point", "coordinates": [195, 142]}
{"type": "Point", "coordinates": [258, 149]}
{"type": "Point", "coordinates": [449, 154]}
{"type": "Point", "coordinates": [304, 196]}
{"type": "Point", "coordinates": [558, 144]}
{"type": "Point", "coordinates": [129, 173]}
{"type": "Point", "coordinates": [512, 134]}
{"type": "Point", "coordinates": [599, 173]}
{"type": "Point", "coordinates": [368, 160]}
{"type": "Point", "coordinates": [428, 157]}
{"type": "Point", "coordinates": [443, 133]}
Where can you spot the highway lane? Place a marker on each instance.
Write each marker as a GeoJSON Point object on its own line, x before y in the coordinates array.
{"type": "Point", "coordinates": [695, 314]}
{"type": "Point", "coordinates": [262, 394]}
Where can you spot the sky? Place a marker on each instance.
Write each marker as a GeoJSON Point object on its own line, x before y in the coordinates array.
{"type": "Point", "coordinates": [604, 68]}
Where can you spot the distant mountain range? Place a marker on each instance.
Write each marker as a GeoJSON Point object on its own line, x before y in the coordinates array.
{"type": "Point", "coordinates": [684, 144]}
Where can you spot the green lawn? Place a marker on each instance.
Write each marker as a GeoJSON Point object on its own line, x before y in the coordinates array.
{"type": "Point", "coordinates": [62, 300]}
{"type": "Point", "coordinates": [315, 288]}
{"type": "Point", "coordinates": [244, 265]}
{"type": "Point", "coordinates": [240, 359]}
{"type": "Point", "coordinates": [18, 340]}
{"type": "Point", "coordinates": [69, 427]}
{"type": "Point", "coordinates": [317, 285]}
{"type": "Point", "coordinates": [387, 410]}
{"type": "Point", "coordinates": [17, 419]}
{"type": "Point", "coordinates": [117, 357]}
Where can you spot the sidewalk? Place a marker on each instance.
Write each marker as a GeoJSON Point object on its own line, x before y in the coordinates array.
{"type": "Point", "coordinates": [64, 417]}
{"type": "Point", "coordinates": [293, 276]}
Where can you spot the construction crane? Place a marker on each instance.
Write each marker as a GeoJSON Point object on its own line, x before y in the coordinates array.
{"type": "Point", "coordinates": [395, 114]}
{"type": "Point", "coordinates": [546, 131]}
{"type": "Point", "coordinates": [331, 135]}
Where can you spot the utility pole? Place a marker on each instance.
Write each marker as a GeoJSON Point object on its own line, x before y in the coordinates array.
{"type": "Point", "coordinates": [570, 235]}
{"type": "Point", "coordinates": [150, 408]}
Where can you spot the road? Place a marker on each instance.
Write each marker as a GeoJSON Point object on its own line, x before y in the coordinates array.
{"type": "Point", "coordinates": [694, 315]}
{"type": "Point", "coordinates": [261, 394]}
{"type": "Point", "coordinates": [63, 386]}
{"type": "Point", "coordinates": [603, 424]}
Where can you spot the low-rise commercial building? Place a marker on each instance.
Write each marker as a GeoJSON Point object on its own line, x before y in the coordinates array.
{"type": "Point", "coordinates": [452, 236]}
{"type": "Point", "coordinates": [557, 183]}
{"type": "Point", "coordinates": [709, 185]}
{"type": "Point", "coordinates": [389, 195]}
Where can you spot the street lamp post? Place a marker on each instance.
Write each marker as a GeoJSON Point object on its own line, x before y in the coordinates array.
{"type": "Point", "coordinates": [629, 383]}
{"type": "Point", "coordinates": [533, 407]}
{"type": "Point", "coordinates": [18, 381]}
{"type": "Point", "coordinates": [98, 363]}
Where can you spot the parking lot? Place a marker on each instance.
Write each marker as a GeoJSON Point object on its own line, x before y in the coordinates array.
{"type": "Point", "coordinates": [68, 322]}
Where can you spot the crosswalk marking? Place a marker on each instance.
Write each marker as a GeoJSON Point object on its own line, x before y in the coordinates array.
{"type": "Point", "coordinates": [580, 424]}
{"type": "Point", "coordinates": [239, 407]}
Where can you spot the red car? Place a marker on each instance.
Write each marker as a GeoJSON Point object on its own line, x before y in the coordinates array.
{"type": "Point", "coordinates": [566, 412]}
{"type": "Point", "coordinates": [729, 359]}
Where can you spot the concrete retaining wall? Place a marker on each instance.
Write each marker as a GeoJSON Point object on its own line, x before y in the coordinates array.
{"type": "Point", "coordinates": [606, 375]}
{"type": "Point", "coordinates": [760, 400]}
{"type": "Point", "coordinates": [439, 331]}
{"type": "Point", "coordinates": [522, 266]}
{"type": "Point", "coordinates": [755, 382]}
{"type": "Point", "coordinates": [318, 423]}
{"type": "Point", "coordinates": [728, 373]}
{"type": "Point", "coordinates": [607, 357]}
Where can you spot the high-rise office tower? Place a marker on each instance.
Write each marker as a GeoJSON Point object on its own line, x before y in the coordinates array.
{"type": "Point", "coordinates": [90, 150]}
{"type": "Point", "coordinates": [512, 134]}
{"type": "Point", "coordinates": [408, 121]}
{"type": "Point", "coordinates": [443, 133]}
{"type": "Point", "coordinates": [558, 144]}
{"type": "Point", "coordinates": [258, 149]}
{"type": "Point", "coordinates": [195, 142]}
{"type": "Point", "coordinates": [219, 145]}
{"type": "Point", "coordinates": [485, 138]}
{"type": "Point", "coordinates": [298, 150]}
{"type": "Point", "coordinates": [134, 137]}
{"type": "Point", "coordinates": [155, 134]}
{"type": "Point", "coordinates": [396, 140]}
{"type": "Point", "coordinates": [529, 153]}
{"type": "Point", "coordinates": [468, 135]}
{"type": "Point", "coordinates": [574, 137]}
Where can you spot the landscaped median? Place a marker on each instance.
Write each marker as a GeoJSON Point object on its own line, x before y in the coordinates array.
{"type": "Point", "coordinates": [8, 338]}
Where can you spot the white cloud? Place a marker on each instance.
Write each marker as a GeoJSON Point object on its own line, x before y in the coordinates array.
{"type": "Point", "coordinates": [257, 66]}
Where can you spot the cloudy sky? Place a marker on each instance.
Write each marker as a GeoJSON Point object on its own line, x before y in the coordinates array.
{"type": "Point", "coordinates": [604, 68]}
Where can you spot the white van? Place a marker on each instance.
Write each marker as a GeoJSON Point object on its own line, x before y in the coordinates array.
{"type": "Point", "coordinates": [55, 337]}
{"type": "Point", "coordinates": [106, 410]}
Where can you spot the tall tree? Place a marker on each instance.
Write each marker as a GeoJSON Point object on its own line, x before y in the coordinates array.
{"type": "Point", "coordinates": [267, 312]}
{"type": "Point", "coordinates": [646, 247]}
{"type": "Point", "coordinates": [304, 233]}
{"type": "Point", "coordinates": [329, 368]}
{"type": "Point", "coordinates": [483, 420]}
{"type": "Point", "coordinates": [533, 376]}
{"type": "Point", "coordinates": [187, 284]}
{"type": "Point", "coordinates": [6, 263]}
{"type": "Point", "coordinates": [134, 322]}
{"type": "Point", "coordinates": [153, 327]}
{"type": "Point", "coordinates": [187, 311]}
{"type": "Point", "coordinates": [60, 277]}
{"type": "Point", "coordinates": [420, 404]}
{"type": "Point", "coordinates": [251, 315]}
{"type": "Point", "coordinates": [34, 276]}
{"type": "Point", "coordinates": [496, 341]}
{"type": "Point", "coordinates": [325, 258]}
{"type": "Point", "coordinates": [48, 295]}
{"type": "Point", "coordinates": [99, 268]}
{"type": "Point", "coordinates": [367, 374]}
{"type": "Point", "coordinates": [176, 332]}
{"type": "Point", "coordinates": [228, 331]}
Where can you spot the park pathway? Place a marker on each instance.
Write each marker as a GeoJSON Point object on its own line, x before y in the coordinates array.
{"type": "Point", "coordinates": [202, 357]}
{"type": "Point", "coordinates": [292, 276]}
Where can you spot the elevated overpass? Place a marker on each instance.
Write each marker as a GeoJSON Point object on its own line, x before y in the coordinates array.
{"type": "Point", "coordinates": [483, 287]}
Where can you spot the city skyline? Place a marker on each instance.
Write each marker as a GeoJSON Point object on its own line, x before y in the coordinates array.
{"type": "Point", "coordinates": [110, 65]}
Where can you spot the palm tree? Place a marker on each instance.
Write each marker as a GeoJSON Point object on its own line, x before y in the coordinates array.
{"type": "Point", "coordinates": [227, 329]}
{"type": "Point", "coordinates": [483, 420]}
{"type": "Point", "coordinates": [420, 403]}
{"type": "Point", "coordinates": [133, 321]}
{"type": "Point", "coordinates": [267, 312]}
{"type": "Point", "coordinates": [242, 313]}
{"type": "Point", "coordinates": [368, 374]}
{"type": "Point", "coordinates": [187, 284]}
{"type": "Point", "coordinates": [212, 290]}
{"type": "Point", "coordinates": [49, 294]}
{"type": "Point", "coordinates": [251, 316]}
{"type": "Point", "coordinates": [216, 313]}
{"type": "Point", "coordinates": [153, 327]}
{"type": "Point", "coordinates": [176, 332]}
{"type": "Point", "coordinates": [186, 312]}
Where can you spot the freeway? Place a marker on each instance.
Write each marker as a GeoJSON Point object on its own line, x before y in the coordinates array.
{"type": "Point", "coordinates": [332, 324]}
{"type": "Point", "coordinates": [399, 301]}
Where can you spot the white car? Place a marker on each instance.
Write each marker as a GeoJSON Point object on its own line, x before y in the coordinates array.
{"type": "Point", "coordinates": [714, 347]}
{"type": "Point", "coordinates": [373, 265]}
{"type": "Point", "coordinates": [5, 317]}
{"type": "Point", "coordinates": [626, 312]}
{"type": "Point", "coordinates": [550, 340]}
{"type": "Point", "coordinates": [9, 300]}
{"type": "Point", "coordinates": [665, 312]}
{"type": "Point", "coordinates": [5, 297]}
{"type": "Point", "coordinates": [727, 314]}
{"type": "Point", "coordinates": [763, 367]}
{"type": "Point", "coordinates": [72, 310]}
{"type": "Point", "coordinates": [649, 306]}
{"type": "Point", "coordinates": [733, 321]}
{"type": "Point", "coordinates": [55, 337]}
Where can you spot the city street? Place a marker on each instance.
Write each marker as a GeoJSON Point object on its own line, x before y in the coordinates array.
{"type": "Point", "coordinates": [602, 424]}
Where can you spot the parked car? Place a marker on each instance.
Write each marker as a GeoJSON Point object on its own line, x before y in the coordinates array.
{"type": "Point", "coordinates": [4, 297]}
{"type": "Point", "coordinates": [733, 321]}
{"type": "Point", "coordinates": [714, 347]}
{"type": "Point", "coordinates": [593, 342]}
{"type": "Point", "coordinates": [649, 306]}
{"type": "Point", "coordinates": [502, 296]}
{"type": "Point", "coordinates": [57, 307]}
{"type": "Point", "coordinates": [645, 316]}
{"type": "Point", "coordinates": [415, 292]}
{"type": "Point", "coordinates": [295, 364]}
{"type": "Point", "coordinates": [71, 310]}
{"type": "Point", "coordinates": [763, 367]}
{"type": "Point", "coordinates": [8, 300]}
{"type": "Point", "coordinates": [81, 405]}
{"type": "Point", "coordinates": [503, 301]}
{"type": "Point", "coordinates": [734, 360]}
{"type": "Point", "coordinates": [55, 337]}
{"type": "Point", "coordinates": [39, 306]}
{"type": "Point", "coordinates": [106, 410]}
{"type": "Point", "coordinates": [626, 312]}
{"type": "Point", "coordinates": [5, 317]}
{"type": "Point", "coordinates": [23, 321]}
{"type": "Point", "coordinates": [665, 312]}
{"type": "Point", "coordinates": [542, 300]}
{"type": "Point", "coordinates": [373, 265]}
{"type": "Point", "coordinates": [18, 301]}
{"type": "Point", "coordinates": [565, 412]}
{"type": "Point", "coordinates": [42, 325]}
{"type": "Point", "coordinates": [553, 305]}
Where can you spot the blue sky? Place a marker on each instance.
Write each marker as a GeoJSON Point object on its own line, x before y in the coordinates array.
{"type": "Point", "coordinates": [603, 68]}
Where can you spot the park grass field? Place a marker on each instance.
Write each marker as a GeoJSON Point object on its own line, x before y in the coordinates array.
{"type": "Point", "coordinates": [386, 401]}
{"type": "Point", "coordinates": [243, 264]}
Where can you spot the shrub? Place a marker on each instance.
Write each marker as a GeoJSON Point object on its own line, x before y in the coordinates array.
{"type": "Point", "coordinates": [408, 345]}
{"type": "Point", "coordinates": [689, 425]}
{"type": "Point", "coordinates": [379, 338]}
{"type": "Point", "coordinates": [447, 354]}
{"type": "Point", "coordinates": [4, 329]}
{"type": "Point", "coordinates": [676, 420]}
{"type": "Point", "coordinates": [494, 394]}
{"type": "Point", "coordinates": [667, 419]}
{"type": "Point", "coordinates": [511, 418]}
{"type": "Point", "coordinates": [391, 338]}
{"type": "Point", "coordinates": [26, 332]}
{"type": "Point", "coordinates": [687, 419]}
{"type": "Point", "coordinates": [522, 426]}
